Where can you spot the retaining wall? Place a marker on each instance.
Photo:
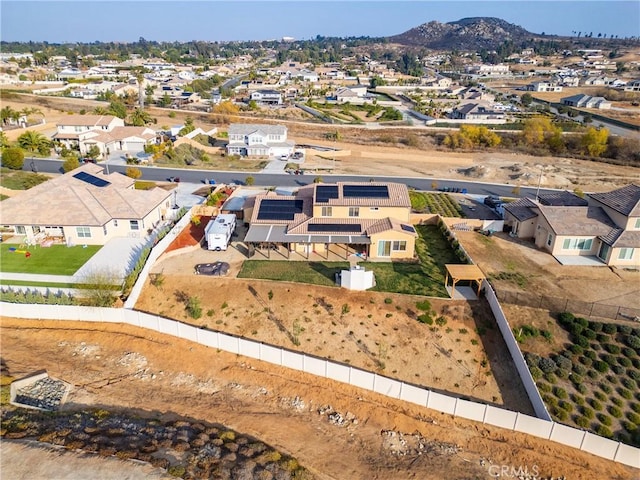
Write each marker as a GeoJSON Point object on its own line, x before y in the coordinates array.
{"type": "Point", "coordinates": [321, 367]}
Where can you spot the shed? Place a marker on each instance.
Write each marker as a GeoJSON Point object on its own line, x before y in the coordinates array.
{"type": "Point", "coordinates": [459, 273]}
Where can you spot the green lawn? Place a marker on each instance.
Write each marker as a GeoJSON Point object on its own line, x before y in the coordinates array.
{"type": "Point", "coordinates": [423, 278]}
{"type": "Point", "coordinates": [20, 180]}
{"type": "Point", "coordinates": [54, 260]}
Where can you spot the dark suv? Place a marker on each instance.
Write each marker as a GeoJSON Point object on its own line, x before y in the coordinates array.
{"type": "Point", "coordinates": [493, 201]}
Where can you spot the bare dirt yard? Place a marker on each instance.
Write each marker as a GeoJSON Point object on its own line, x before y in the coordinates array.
{"type": "Point", "coordinates": [281, 407]}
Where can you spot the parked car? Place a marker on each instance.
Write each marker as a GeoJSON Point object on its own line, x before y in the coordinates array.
{"type": "Point", "coordinates": [493, 201]}
{"type": "Point", "coordinates": [217, 269]}
{"type": "Point", "coordinates": [284, 157]}
{"type": "Point", "coordinates": [88, 160]}
{"type": "Point", "coordinates": [209, 181]}
{"type": "Point", "coordinates": [297, 155]}
{"type": "Point", "coordinates": [174, 179]}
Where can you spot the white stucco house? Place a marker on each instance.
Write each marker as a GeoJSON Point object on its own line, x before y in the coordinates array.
{"type": "Point", "coordinates": [249, 140]}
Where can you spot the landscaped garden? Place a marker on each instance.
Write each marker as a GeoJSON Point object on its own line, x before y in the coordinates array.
{"type": "Point", "coordinates": [53, 260]}
{"type": "Point", "coordinates": [591, 382]}
{"type": "Point", "coordinates": [425, 277]}
{"type": "Point", "coordinates": [437, 203]}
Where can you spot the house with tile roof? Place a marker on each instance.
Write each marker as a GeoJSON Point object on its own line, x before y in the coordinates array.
{"type": "Point", "coordinates": [605, 227]}
{"type": "Point", "coordinates": [249, 140]}
{"type": "Point", "coordinates": [586, 101]}
{"type": "Point", "coordinates": [85, 206]}
{"type": "Point", "coordinates": [340, 218]}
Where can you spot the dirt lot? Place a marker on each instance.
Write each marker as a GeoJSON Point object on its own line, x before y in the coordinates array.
{"type": "Point", "coordinates": [175, 376]}
{"type": "Point", "coordinates": [387, 152]}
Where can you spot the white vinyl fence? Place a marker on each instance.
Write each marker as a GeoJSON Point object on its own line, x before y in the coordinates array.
{"type": "Point", "coordinates": [344, 373]}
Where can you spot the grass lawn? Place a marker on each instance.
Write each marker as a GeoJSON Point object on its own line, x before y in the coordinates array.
{"type": "Point", "coordinates": [54, 260]}
{"type": "Point", "coordinates": [423, 278]}
{"type": "Point", "coordinates": [20, 180]}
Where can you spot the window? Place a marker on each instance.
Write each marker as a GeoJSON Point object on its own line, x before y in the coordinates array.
{"type": "Point", "coordinates": [134, 225]}
{"type": "Point", "coordinates": [374, 209]}
{"type": "Point", "coordinates": [625, 254]}
{"type": "Point", "coordinates": [20, 230]}
{"type": "Point", "coordinates": [354, 211]}
{"type": "Point", "coordinates": [104, 230]}
{"type": "Point", "coordinates": [549, 240]}
{"type": "Point", "coordinates": [637, 223]}
{"type": "Point", "coordinates": [577, 244]}
{"type": "Point", "coordinates": [327, 211]}
{"type": "Point", "coordinates": [115, 223]}
{"type": "Point", "coordinates": [83, 232]}
{"type": "Point", "coordinates": [399, 246]}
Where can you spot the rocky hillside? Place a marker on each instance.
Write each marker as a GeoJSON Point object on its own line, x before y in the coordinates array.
{"type": "Point", "coordinates": [466, 34]}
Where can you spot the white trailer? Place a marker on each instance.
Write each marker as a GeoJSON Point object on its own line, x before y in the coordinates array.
{"type": "Point", "coordinates": [219, 230]}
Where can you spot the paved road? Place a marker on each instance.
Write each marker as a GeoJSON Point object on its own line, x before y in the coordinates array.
{"type": "Point", "coordinates": [288, 180]}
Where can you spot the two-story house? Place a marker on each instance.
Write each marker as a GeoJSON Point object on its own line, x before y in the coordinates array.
{"type": "Point", "coordinates": [249, 140]}
{"type": "Point", "coordinates": [606, 227]}
{"type": "Point", "coordinates": [267, 97]}
{"type": "Point", "coordinates": [71, 128]}
{"type": "Point", "coordinates": [340, 218]}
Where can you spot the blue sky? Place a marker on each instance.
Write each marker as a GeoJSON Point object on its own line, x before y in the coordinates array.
{"type": "Point", "coordinates": [89, 20]}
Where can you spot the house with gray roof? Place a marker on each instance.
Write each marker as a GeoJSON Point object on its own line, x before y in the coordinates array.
{"type": "Point", "coordinates": [249, 140]}
{"type": "Point", "coordinates": [606, 227]}
{"type": "Point", "coordinates": [85, 206]}
{"type": "Point", "coordinates": [586, 101]}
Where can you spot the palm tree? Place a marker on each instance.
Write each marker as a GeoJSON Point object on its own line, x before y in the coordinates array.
{"type": "Point", "coordinates": [101, 111]}
{"type": "Point", "coordinates": [5, 114]}
{"type": "Point", "coordinates": [4, 141]}
{"type": "Point", "coordinates": [140, 118]}
{"type": "Point", "coordinates": [34, 142]}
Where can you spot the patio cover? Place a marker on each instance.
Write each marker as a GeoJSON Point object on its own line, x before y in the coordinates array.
{"type": "Point", "coordinates": [463, 272]}
{"type": "Point", "coordinates": [278, 234]}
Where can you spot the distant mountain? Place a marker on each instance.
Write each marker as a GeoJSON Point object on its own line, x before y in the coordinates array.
{"type": "Point", "coordinates": [467, 34]}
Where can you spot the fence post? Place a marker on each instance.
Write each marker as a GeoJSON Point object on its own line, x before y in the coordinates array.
{"type": "Point", "coordinates": [591, 311]}
{"type": "Point", "coordinates": [540, 304]}
{"type": "Point", "coordinates": [566, 305]}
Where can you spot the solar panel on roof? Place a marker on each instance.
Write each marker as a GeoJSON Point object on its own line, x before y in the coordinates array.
{"type": "Point", "coordinates": [91, 179]}
{"type": "Point", "coordinates": [279, 209]}
{"type": "Point", "coordinates": [365, 191]}
{"type": "Point", "coordinates": [325, 192]}
{"type": "Point", "coordinates": [335, 227]}
{"type": "Point", "coordinates": [407, 228]}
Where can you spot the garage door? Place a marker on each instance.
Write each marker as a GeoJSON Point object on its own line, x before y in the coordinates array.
{"type": "Point", "coordinates": [134, 146]}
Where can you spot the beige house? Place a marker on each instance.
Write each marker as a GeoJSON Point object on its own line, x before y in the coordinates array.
{"type": "Point", "coordinates": [606, 227]}
{"type": "Point", "coordinates": [85, 206]}
{"type": "Point", "coordinates": [371, 219]}
{"type": "Point", "coordinates": [70, 131]}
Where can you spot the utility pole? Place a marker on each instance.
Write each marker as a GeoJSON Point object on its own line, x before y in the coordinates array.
{"type": "Point", "coordinates": [539, 182]}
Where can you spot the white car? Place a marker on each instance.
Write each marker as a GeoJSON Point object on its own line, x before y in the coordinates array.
{"type": "Point", "coordinates": [284, 157]}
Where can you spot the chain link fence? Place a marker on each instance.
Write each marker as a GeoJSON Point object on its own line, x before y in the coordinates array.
{"type": "Point", "coordinates": [557, 304]}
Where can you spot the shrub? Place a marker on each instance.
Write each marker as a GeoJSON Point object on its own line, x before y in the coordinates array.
{"type": "Point", "coordinates": [193, 307]}
{"type": "Point", "coordinates": [624, 393]}
{"type": "Point", "coordinates": [581, 341]}
{"type": "Point", "coordinates": [425, 318]}
{"type": "Point", "coordinates": [388, 301]}
{"type": "Point", "coordinates": [586, 361]}
{"type": "Point", "coordinates": [566, 406]}
{"type": "Point", "coordinates": [608, 358]}
{"type": "Point", "coordinates": [560, 392]}
{"type": "Point", "coordinates": [582, 422]}
{"type": "Point", "coordinates": [563, 362]}
{"type": "Point", "coordinates": [635, 407]}
{"type": "Point", "coordinates": [424, 306]}
{"type": "Point", "coordinates": [604, 419]}
{"type": "Point", "coordinates": [617, 369]}
{"type": "Point", "coordinates": [547, 365]}
{"type": "Point", "coordinates": [615, 412]}
{"type": "Point", "coordinates": [543, 387]}
{"type": "Point", "coordinates": [579, 369]}
{"type": "Point", "coordinates": [566, 318]}
{"type": "Point", "coordinates": [604, 431]}
{"type": "Point", "coordinates": [536, 373]}
{"type": "Point", "coordinates": [633, 373]}
{"type": "Point", "coordinates": [609, 328]}
{"type": "Point", "coordinates": [70, 163]}
{"type": "Point", "coordinates": [629, 426]}
{"type": "Point", "coordinates": [550, 400]}
{"type": "Point", "coordinates": [575, 379]}
{"type": "Point", "coordinates": [596, 404]}
{"type": "Point", "coordinates": [624, 361]}
{"type": "Point", "coordinates": [628, 352]}
{"type": "Point", "coordinates": [603, 338]}
{"type": "Point", "coordinates": [561, 373]}
{"type": "Point", "coordinates": [591, 354]}
{"type": "Point", "coordinates": [590, 334]}
{"type": "Point", "coordinates": [13, 158]}
{"type": "Point", "coordinates": [582, 322]}
{"type": "Point", "coordinates": [531, 358]}
{"type": "Point", "coordinates": [636, 362]}
{"type": "Point", "coordinates": [551, 378]}
{"type": "Point", "coordinates": [633, 417]}
{"type": "Point", "coordinates": [612, 348]}
{"type": "Point", "coordinates": [588, 412]}
{"type": "Point", "coordinates": [625, 329]}
{"type": "Point", "coordinates": [633, 341]}
{"type": "Point", "coordinates": [576, 349]}
{"type": "Point", "coordinates": [561, 415]}
{"type": "Point", "coordinates": [618, 402]}
{"type": "Point", "coordinates": [606, 388]}
{"type": "Point", "coordinates": [595, 326]}
{"type": "Point", "coordinates": [601, 366]}
{"type": "Point", "coordinates": [582, 388]}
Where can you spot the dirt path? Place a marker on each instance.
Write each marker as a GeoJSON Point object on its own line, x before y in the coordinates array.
{"type": "Point", "coordinates": [172, 375]}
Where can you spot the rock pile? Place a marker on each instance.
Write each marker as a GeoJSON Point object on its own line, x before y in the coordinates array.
{"type": "Point", "coordinates": [403, 444]}
{"type": "Point", "coordinates": [45, 393]}
{"type": "Point", "coordinates": [337, 418]}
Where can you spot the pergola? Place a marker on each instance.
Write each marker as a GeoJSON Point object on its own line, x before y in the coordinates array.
{"type": "Point", "coordinates": [463, 272]}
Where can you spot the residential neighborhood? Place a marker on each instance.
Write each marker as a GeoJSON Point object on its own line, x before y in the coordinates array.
{"type": "Point", "coordinates": [301, 256]}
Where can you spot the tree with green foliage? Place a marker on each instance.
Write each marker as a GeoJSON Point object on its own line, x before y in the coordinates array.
{"type": "Point", "coordinates": [526, 99]}
{"type": "Point", "coordinates": [13, 158]}
{"type": "Point", "coordinates": [133, 172]}
{"type": "Point", "coordinates": [140, 118]}
{"type": "Point", "coordinates": [4, 141]}
{"type": "Point", "coordinates": [33, 141]}
{"type": "Point", "coordinates": [165, 101]}
{"type": "Point", "coordinates": [188, 127]}
{"type": "Point", "coordinates": [93, 152]}
{"type": "Point", "coordinates": [71, 163]}
{"type": "Point", "coordinates": [250, 180]}
{"type": "Point", "coordinates": [594, 141]}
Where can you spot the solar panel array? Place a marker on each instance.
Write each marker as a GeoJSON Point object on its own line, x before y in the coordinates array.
{"type": "Point", "coordinates": [407, 228]}
{"type": "Point", "coordinates": [91, 179]}
{"type": "Point", "coordinates": [279, 209]}
{"type": "Point", "coordinates": [334, 227]}
{"type": "Point", "coordinates": [365, 191]}
{"type": "Point", "coordinates": [325, 192]}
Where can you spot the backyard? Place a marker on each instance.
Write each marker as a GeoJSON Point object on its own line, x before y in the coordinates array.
{"type": "Point", "coordinates": [425, 277]}
{"type": "Point", "coordinates": [53, 260]}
